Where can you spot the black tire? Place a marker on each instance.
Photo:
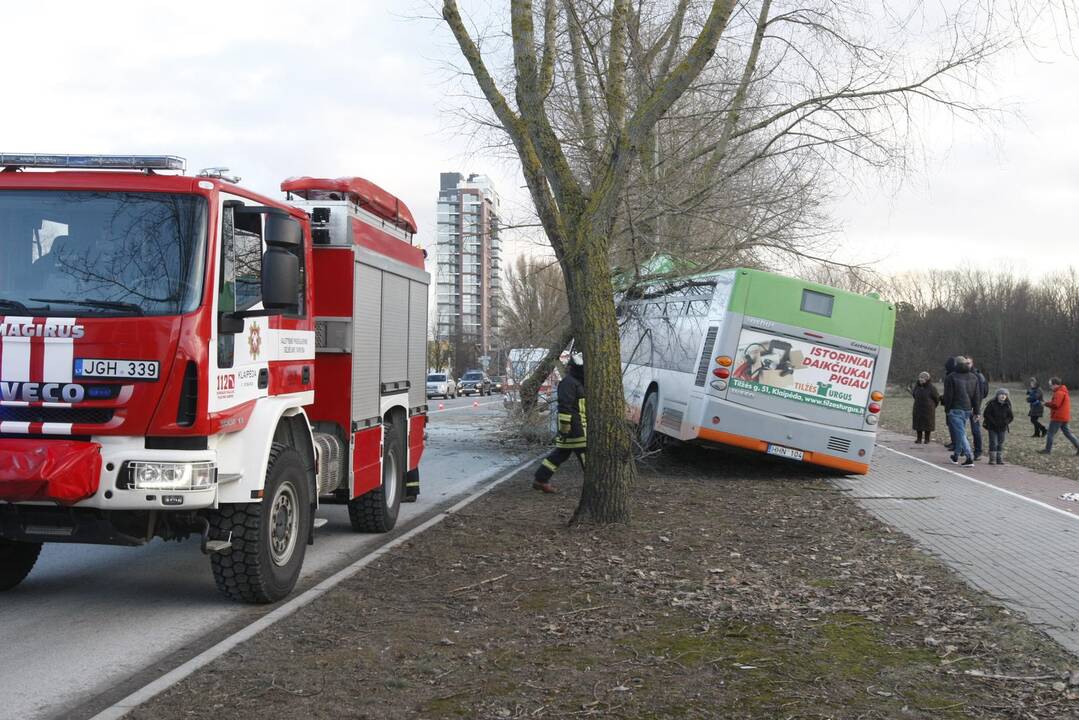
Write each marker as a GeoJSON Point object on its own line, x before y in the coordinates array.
{"type": "Point", "coordinates": [647, 437]}
{"type": "Point", "coordinates": [376, 511]}
{"type": "Point", "coordinates": [16, 561]}
{"type": "Point", "coordinates": [269, 538]}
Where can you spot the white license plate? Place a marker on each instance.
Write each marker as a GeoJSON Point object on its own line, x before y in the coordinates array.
{"type": "Point", "coordinates": [124, 369]}
{"type": "Point", "coordinates": [785, 452]}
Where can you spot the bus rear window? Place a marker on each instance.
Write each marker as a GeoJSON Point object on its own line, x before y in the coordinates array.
{"type": "Point", "coordinates": [817, 303]}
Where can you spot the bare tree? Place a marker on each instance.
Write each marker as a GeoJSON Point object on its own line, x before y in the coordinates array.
{"type": "Point", "coordinates": [534, 311]}
{"type": "Point", "coordinates": [710, 129]}
{"type": "Point", "coordinates": [578, 211]}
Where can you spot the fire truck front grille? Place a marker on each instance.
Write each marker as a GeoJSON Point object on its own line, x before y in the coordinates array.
{"type": "Point", "coordinates": [78, 416]}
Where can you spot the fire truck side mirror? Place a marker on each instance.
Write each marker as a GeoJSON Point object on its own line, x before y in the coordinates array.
{"type": "Point", "coordinates": [283, 231]}
{"type": "Point", "coordinates": [280, 279]}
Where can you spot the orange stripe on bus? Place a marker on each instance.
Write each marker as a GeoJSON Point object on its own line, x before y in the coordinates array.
{"type": "Point", "coordinates": [815, 458]}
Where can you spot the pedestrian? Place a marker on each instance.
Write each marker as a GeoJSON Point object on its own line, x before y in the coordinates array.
{"type": "Point", "coordinates": [975, 420]}
{"type": "Point", "coordinates": [572, 437]}
{"type": "Point", "coordinates": [1060, 406]}
{"type": "Point", "coordinates": [997, 416]}
{"type": "Point", "coordinates": [949, 368]}
{"type": "Point", "coordinates": [1036, 399]}
{"type": "Point", "coordinates": [962, 400]}
{"type": "Point", "coordinates": [926, 400]}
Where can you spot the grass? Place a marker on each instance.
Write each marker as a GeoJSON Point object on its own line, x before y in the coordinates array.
{"type": "Point", "coordinates": [1019, 447]}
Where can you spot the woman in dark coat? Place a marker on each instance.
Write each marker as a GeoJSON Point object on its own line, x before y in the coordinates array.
{"type": "Point", "coordinates": [926, 400]}
{"type": "Point", "coordinates": [1037, 407]}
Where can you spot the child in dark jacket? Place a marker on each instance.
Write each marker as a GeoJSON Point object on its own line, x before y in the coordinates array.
{"type": "Point", "coordinates": [1036, 400]}
{"type": "Point", "coordinates": [996, 417]}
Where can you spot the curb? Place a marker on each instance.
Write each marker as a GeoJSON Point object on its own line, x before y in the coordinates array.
{"type": "Point", "coordinates": [166, 681]}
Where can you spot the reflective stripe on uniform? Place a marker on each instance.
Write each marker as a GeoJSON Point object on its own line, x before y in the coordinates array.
{"type": "Point", "coordinates": [549, 465]}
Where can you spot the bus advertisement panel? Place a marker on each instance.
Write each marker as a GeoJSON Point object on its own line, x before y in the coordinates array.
{"type": "Point", "coordinates": [803, 371]}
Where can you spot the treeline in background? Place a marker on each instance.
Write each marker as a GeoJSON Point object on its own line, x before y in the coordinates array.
{"type": "Point", "coordinates": [1014, 327]}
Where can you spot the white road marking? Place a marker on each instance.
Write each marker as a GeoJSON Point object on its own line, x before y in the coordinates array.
{"type": "Point", "coordinates": [991, 486]}
{"type": "Point", "coordinates": [169, 679]}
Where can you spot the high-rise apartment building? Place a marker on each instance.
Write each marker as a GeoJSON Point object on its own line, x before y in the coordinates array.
{"type": "Point", "coordinates": [468, 276]}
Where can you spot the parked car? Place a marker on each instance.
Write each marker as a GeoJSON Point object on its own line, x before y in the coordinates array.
{"type": "Point", "coordinates": [441, 385]}
{"type": "Point", "coordinates": [496, 384]}
{"type": "Point", "coordinates": [475, 382]}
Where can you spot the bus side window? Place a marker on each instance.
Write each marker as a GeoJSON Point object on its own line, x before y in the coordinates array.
{"type": "Point", "coordinates": [698, 308]}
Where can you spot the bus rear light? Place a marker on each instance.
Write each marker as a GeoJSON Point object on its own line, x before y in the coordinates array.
{"type": "Point", "coordinates": [719, 384]}
{"type": "Point", "coordinates": [876, 396]}
{"type": "Point", "coordinates": [723, 373]}
{"type": "Point", "coordinates": [874, 408]}
{"type": "Point", "coordinates": [871, 419]}
{"type": "Point", "coordinates": [861, 453]}
{"type": "Point", "coordinates": [715, 419]}
{"type": "Point", "coordinates": [724, 361]}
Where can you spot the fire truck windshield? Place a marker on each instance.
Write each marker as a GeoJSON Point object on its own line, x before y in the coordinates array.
{"type": "Point", "coordinates": [101, 253]}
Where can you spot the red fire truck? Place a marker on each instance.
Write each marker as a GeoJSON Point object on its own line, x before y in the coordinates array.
{"type": "Point", "coordinates": [182, 357]}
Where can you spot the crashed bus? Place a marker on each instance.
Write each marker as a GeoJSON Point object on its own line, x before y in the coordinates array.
{"type": "Point", "coordinates": [759, 361]}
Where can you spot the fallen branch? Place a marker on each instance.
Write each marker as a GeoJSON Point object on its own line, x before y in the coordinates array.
{"type": "Point", "coordinates": [476, 585]}
{"type": "Point", "coordinates": [587, 609]}
{"type": "Point", "coordinates": [1020, 678]}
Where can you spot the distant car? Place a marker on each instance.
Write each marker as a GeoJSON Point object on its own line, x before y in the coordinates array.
{"type": "Point", "coordinates": [475, 382]}
{"type": "Point", "coordinates": [441, 385]}
{"type": "Point", "coordinates": [497, 384]}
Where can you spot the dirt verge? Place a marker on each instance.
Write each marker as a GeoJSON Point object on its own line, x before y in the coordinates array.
{"type": "Point", "coordinates": [744, 588]}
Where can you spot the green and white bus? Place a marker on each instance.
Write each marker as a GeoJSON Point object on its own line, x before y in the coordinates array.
{"type": "Point", "coordinates": [759, 361]}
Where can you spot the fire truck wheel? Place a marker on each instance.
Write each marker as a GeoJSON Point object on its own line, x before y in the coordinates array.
{"type": "Point", "coordinates": [269, 538]}
{"type": "Point", "coordinates": [646, 428]}
{"type": "Point", "coordinates": [16, 561]}
{"type": "Point", "coordinates": [376, 511]}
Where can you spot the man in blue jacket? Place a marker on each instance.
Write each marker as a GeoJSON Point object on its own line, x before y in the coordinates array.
{"type": "Point", "coordinates": [962, 401]}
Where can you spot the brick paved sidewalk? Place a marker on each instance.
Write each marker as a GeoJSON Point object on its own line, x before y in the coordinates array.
{"type": "Point", "coordinates": [1003, 529]}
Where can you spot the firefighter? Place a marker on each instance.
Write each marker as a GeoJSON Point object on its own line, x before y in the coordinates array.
{"type": "Point", "coordinates": [572, 425]}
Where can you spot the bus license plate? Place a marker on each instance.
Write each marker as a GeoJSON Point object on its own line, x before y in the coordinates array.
{"type": "Point", "coordinates": [124, 369]}
{"type": "Point", "coordinates": [785, 452]}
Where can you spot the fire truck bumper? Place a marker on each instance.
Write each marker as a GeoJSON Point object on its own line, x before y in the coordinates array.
{"type": "Point", "coordinates": [64, 472]}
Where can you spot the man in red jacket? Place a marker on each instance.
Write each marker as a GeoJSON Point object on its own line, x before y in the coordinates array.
{"type": "Point", "coordinates": [1061, 407]}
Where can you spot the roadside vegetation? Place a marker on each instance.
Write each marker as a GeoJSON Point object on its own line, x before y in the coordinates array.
{"type": "Point", "coordinates": [743, 597]}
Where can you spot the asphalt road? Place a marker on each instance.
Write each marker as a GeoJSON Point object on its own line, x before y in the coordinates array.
{"type": "Point", "coordinates": [89, 618]}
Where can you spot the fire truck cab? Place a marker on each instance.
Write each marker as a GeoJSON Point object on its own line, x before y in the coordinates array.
{"type": "Point", "coordinates": [180, 356]}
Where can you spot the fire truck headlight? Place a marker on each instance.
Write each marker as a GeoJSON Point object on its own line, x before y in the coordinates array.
{"type": "Point", "coordinates": [141, 475]}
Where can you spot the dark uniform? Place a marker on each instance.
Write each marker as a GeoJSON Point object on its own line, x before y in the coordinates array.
{"type": "Point", "coordinates": [572, 428]}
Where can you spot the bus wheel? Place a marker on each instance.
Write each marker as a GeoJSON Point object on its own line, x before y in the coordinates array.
{"type": "Point", "coordinates": [269, 538]}
{"type": "Point", "coordinates": [376, 511]}
{"type": "Point", "coordinates": [646, 428]}
{"type": "Point", "coordinates": [16, 561]}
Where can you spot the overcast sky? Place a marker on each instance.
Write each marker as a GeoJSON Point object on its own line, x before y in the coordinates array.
{"type": "Point", "coordinates": [271, 90]}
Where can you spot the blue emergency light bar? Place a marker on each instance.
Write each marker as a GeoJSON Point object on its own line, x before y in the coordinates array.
{"type": "Point", "coordinates": [93, 162]}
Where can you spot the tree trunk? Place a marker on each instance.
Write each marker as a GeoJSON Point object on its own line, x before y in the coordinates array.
{"type": "Point", "coordinates": [609, 468]}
